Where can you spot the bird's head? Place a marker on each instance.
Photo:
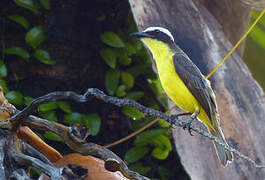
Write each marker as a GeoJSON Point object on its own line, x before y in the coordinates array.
{"type": "Point", "coordinates": [156, 38]}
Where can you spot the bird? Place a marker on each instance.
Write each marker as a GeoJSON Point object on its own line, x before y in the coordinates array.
{"type": "Point", "coordinates": [184, 84]}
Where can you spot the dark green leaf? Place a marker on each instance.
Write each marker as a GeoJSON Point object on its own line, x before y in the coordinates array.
{"type": "Point", "coordinates": [121, 91]}
{"type": "Point", "coordinates": [156, 87]}
{"type": "Point", "coordinates": [28, 100]}
{"type": "Point", "coordinates": [20, 20]}
{"type": "Point", "coordinates": [48, 107]}
{"type": "Point", "coordinates": [140, 168]}
{"type": "Point", "coordinates": [49, 115]}
{"type": "Point", "coordinates": [64, 106]}
{"type": "Point", "coordinates": [73, 118]}
{"type": "Point", "coordinates": [127, 80]}
{"type": "Point", "coordinates": [132, 113]}
{"type": "Point", "coordinates": [45, 4]}
{"type": "Point", "coordinates": [112, 81]}
{"type": "Point", "coordinates": [112, 39]}
{"type": "Point", "coordinates": [43, 56]}
{"type": "Point", "coordinates": [159, 153]}
{"type": "Point", "coordinates": [4, 86]}
{"type": "Point", "coordinates": [123, 57]}
{"type": "Point", "coordinates": [164, 171]}
{"type": "Point", "coordinates": [28, 4]}
{"type": "Point", "coordinates": [125, 60]}
{"type": "Point", "coordinates": [14, 97]}
{"type": "Point", "coordinates": [130, 50]}
{"type": "Point", "coordinates": [17, 51]}
{"type": "Point", "coordinates": [164, 101]}
{"type": "Point", "coordinates": [35, 36]}
{"type": "Point", "coordinates": [109, 57]}
{"type": "Point", "coordinates": [51, 136]}
{"type": "Point", "coordinates": [135, 95]}
{"type": "Point", "coordinates": [138, 69]}
{"type": "Point", "coordinates": [136, 153]}
{"type": "Point", "coordinates": [93, 122]}
{"type": "Point", "coordinates": [3, 70]}
{"type": "Point", "coordinates": [147, 136]}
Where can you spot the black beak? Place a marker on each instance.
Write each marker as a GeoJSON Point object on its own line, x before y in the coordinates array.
{"type": "Point", "coordinates": [140, 35]}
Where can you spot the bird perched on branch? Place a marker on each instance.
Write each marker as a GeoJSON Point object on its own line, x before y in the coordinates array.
{"type": "Point", "coordinates": [184, 84]}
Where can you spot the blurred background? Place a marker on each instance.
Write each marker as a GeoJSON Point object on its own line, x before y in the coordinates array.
{"type": "Point", "coordinates": [49, 45]}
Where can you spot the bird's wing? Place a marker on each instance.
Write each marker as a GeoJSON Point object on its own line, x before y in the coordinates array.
{"type": "Point", "coordinates": [198, 85]}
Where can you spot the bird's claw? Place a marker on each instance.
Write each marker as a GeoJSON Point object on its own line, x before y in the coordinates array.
{"type": "Point", "coordinates": [187, 125]}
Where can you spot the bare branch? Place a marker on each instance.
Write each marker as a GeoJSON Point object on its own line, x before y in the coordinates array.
{"type": "Point", "coordinates": [69, 95]}
{"type": "Point", "coordinates": [50, 170]}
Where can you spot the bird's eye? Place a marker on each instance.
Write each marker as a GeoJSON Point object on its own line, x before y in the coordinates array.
{"type": "Point", "coordinates": [157, 31]}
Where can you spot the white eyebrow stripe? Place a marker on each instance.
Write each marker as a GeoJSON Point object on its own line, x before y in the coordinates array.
{"type": "Point", "coordinates": [164, 30]}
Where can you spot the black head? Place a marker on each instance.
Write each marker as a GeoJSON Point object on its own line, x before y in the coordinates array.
{"type": "Point", "coordinates": [158, 33]}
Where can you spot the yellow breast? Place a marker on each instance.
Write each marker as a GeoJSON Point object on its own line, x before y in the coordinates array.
{"type": "Point", "coordinates": [171, 82]}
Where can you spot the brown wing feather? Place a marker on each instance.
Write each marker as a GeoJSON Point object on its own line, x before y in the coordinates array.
{"type": "Point", "coordinates": [196, 83]}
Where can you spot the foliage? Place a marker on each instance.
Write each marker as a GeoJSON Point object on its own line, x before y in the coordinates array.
{"type": "Point", "coordinates": [254, 49]}
{"type": "Point", "coordinates": [31, 50]}
{"type": "Point", "coordinates": [128, 74]}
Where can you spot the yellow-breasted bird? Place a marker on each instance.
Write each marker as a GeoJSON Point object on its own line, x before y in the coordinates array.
{"type": "Point", "coordinates": [184, 83]}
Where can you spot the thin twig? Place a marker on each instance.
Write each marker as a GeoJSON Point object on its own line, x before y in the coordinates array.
{"type": "Point", "coordinates": [69, 95]}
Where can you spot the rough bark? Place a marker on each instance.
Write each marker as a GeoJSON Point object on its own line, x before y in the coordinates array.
{"type": "Point", "coordinates": [233, 16]}
{"type": "Point", "coordinates": [239, 97]}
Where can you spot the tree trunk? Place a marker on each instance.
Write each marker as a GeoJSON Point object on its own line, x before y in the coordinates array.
{"type": "Point", "coordinates": [239, 97]}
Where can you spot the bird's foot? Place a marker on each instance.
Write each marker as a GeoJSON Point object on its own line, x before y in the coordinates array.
{"type": "Point", "coordinates": [188, 124]}
{"type": "Point", "coordinates": [176, 116]}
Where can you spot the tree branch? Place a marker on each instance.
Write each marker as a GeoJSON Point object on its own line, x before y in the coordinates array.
{"type": "Point", "coordinates": [69, 95]}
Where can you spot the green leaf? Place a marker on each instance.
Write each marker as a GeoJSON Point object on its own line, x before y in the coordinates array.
{"type": "Point", "coordinates": [162, 142]}
{"type": "Point", "coordinates": [3, 70]}
{"type": "Point", "coordinates": [140, 168]}
{"type": "Point", "coordinates": [46, 4]}
{"type": "Point", "coordinates": [132, 113]}
{"type": "Point", "coordinates": [28, 100]}
{"type": "Point", "coordinates": [73, 118]}
{"type": "Point", "coordinates": [49, 115]}
{"type": "Point", "coordinates": [28, 4]}
{"type": "Point", "coordinates": [136, 153]}
{"type": "Point", "coordinates": [51, 136]}
{"type": "Point", "coordinates": [121, 91]}
{"type": "Point", "coordinates": [163, 123]}
{"type": "Point", "coordinates": [164, 101]}
{"type": "Point", "coordinates": [123, 57]}
{"type": "Point", "coordinates": [258, 35]}
{"type": "Point", "coordinates": [156, 87]}
{"type": "Point", "coordinates": [64, 106]}
{"type": "Point", "coordinates": [112, 81]}
{"type": "Point", "coordinates": [138, 70]}
{"type": "Point", "coordinates": [43, 56]}
{"type": "Point", "coordinates": [147, 136]}
{"type": "Point", "coordinates": [35, 36]}
{"type": "Point", "coordinates": [14, 97]}
{"type": "Point", "coordinates": [130, 50]}
{"type": "Point", "coordinates": [20, 20]}
{"type": "Point", "coordinates": [125, 60]}
{"type": "Point", "coordinates": [135, 95]}
{"type": "Point", "coordinates": [93, 122]}
{"type": "Point", "coordinates": [109, 57]}
{"type": "Point", "coordinates": [48, 107]}
{"type": "Point", "coordinates": [127, 80]}
{"type": "Point", "coordinates": [111, 39]}
{"type": "Point", "coordinates": [159, 153]}
{"type": "Point", "coordinates": [17, 51]}
{"type": "Point", "coordinates": [4, 86]}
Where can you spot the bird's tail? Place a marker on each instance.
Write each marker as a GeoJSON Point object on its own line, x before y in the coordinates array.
{"type": "Point", "coordinates": [223, 154]}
